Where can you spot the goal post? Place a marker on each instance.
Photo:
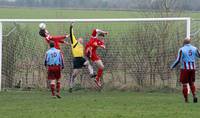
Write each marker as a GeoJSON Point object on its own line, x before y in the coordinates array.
{"type": "Point", "coordinates": [186, 19]}
{"type": "Point", "coordinates": [1, 38]}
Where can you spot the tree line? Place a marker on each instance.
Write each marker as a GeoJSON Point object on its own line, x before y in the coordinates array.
{"type": "Point", "coordinates": [105, 4]}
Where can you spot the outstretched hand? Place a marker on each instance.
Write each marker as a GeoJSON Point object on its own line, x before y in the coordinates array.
{"type": "Point", "coordinates": [107, 33]}
{"type": "Point", "coordinates": [103, 46]}
{"type": "Point", "coordinates": [171, 68]}
{"type": "Point", "coordinates": [67, 36]}
{"type": "Point", "coordinates": [66, 43]}
{"type": "Point", "coordinates": [72, 24]}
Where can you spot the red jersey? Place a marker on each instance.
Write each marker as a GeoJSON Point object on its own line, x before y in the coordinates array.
{"type": "Point", "coordinates": [56, 39]}
{"type": "Point", "coordinates": [91, 47]}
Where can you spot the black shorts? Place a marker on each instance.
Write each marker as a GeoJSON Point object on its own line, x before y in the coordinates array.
{"type": "Point", "coordinates": [78, 62]}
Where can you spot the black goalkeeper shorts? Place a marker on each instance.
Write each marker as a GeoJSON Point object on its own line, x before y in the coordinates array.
{"type": "Point", "coordinates": [78, 62]}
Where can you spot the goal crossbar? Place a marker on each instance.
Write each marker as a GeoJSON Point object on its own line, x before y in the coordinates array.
{"type": "Point", "coordinates": [186, 19]}
{"type": "Point", "coordinates": [96, 20]}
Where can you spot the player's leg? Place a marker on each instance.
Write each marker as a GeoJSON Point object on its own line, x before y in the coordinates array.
{"type": "Point", "coordinates": [58, 84]}
{"type": "Point", "coordinates": [72, 78]}
{"type": "Point", "coordinates": [90, 68]}
{"type": "Point", "coordinates": [52, 84]}
{"type": "Point", "coordinates": [184, 81]}
{"type": "Point", "coordinates": [100, 66]}
{"type": "Point", "coordinates": [185, 92]}
{"type": "Point", "coordinates": [193, 90]}
{"type": "Point", "coordinates": [188, 88]}
{"type": "Point", "coordinates": [192, 85]}
{"type": "Point", "coordinates": [77, 64]}
{"type": "Point", "coordinates": [51, 78]}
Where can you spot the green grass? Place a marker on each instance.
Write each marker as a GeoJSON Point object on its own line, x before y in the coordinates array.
{"type": "Point", "coordinates": [63, 13]}
{"type": "Point", "coordinates": [81, 104]}
{"type": "Point", "coordinates": [47, 13]}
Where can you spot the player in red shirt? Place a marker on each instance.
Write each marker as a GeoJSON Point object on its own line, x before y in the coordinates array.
{"type": "Point", "coordinates": [96, 41]}
{"type": "Point", "coordinates": [56, 39]}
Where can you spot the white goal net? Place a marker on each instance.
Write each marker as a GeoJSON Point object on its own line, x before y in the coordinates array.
{"type": "Point", "coordinates": [138, 51]}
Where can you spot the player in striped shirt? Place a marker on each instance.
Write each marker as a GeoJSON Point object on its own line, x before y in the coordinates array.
{"type": "Point", "coordinates": [187, 56]}
{"type": "Point", "coordinates": [54, 65]}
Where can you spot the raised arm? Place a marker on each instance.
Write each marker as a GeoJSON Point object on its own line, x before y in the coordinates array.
{"type": "Point", "coordinates": [177, 59]}
{"type": "Point", "coordinates": [58, 38]}
{"type": "Point", "coordinates": [97, 31]}
{"type": "Point", "coordinates": [72, 37]}
{"type": "Point", "coordinates": [101, 31]}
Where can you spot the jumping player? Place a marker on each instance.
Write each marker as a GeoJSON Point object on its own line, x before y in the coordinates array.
{"type": "Point", "coordinates": [54, 65]}
{"type": "Point", "coordinates": [187, 56]}
{"type": "Point", "coordinates": [96, 41]}
{"type": "Point", "coordinates": [56, 39]}
{"type": "Point", "coordinates": [78, 58]}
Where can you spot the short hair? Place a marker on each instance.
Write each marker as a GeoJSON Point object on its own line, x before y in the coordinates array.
{"type": "Point", "coordinates": [51, 44]}
{"type": "Point", "coordinates": [42, 33]}
{"type": "Point", "coordinates": [187, 40]}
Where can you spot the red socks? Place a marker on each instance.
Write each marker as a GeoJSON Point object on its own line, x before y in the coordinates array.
{"type": "Point", "coordinates": [185, 92]}
{"type": "Point", "coordinates": [53, 89]}
{"type": "Point", "coordinates": [193, 89]}
{"type": "Point", "coordinates": [99, 74]}
{"type": "Point", "coordinates": [58, 87]}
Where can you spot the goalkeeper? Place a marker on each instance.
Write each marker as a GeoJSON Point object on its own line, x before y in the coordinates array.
{"type": "Point", "coordinates": [78, 58]}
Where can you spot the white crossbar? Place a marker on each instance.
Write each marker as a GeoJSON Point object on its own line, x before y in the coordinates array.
{"type": "Point", "coordinates": [96, 20]}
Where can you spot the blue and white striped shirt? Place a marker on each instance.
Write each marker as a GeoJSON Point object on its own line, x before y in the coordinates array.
{"type": "Point", "coordinates": [53, 57]}
{"type": "Point", "coordinates": [187, 56]}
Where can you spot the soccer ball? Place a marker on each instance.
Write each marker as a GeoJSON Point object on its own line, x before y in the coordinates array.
{"type": "Point", "coordinates": [42, 25]}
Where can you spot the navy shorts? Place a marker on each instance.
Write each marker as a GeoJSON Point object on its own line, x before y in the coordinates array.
{"type": "Point", "coordinates": [78, 62]}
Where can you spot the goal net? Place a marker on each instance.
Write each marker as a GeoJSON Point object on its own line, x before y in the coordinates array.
{"type": "Point", "coordinates": [138, 51]}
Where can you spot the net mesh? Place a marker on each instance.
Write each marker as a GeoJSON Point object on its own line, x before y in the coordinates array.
{"type": "Point", "coordinates": [137, 54]}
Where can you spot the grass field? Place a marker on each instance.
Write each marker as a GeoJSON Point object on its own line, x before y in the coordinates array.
{"type": "Point", "coordinates": [63, 13]}
{"type": "Point", "coordinates": [87, 104]}
{"type": "Point", "coordinates": [66, 13]}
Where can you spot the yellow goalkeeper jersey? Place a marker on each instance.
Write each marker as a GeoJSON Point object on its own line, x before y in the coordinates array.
{"type": "Point", "coordinates": [77, 48]}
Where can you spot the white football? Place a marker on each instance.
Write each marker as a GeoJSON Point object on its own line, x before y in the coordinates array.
{"type": "Point", "coordinates": [42, 25]}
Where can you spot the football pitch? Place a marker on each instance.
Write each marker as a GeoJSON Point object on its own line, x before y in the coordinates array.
{"type": "Point", "coordinates": [91, 104]}
{"type": "Point", "coordinates": [28, 13]}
